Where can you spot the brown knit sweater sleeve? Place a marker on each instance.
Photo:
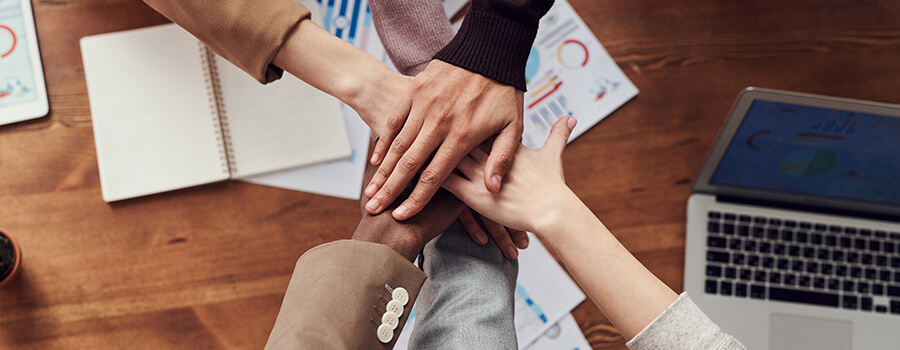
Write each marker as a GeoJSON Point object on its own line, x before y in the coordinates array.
{"type": "Point", "coordinates": [495, 39]}
{"type": "Point", "coordinates": [246, 32]}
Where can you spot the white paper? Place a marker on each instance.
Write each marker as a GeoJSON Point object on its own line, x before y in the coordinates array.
{"type": "Point", "coordinates": [564, 335]}
{"type": "Point", "coordinates": [550, 290]}
{"type": "Point", "coordinates": [342, 178]}
{"type": "Point", "coordinates": [154, 127]}
{"type": "Point", "coordinates": [280, 125]}
{"type": "Point", "coordinates": [569, 73]}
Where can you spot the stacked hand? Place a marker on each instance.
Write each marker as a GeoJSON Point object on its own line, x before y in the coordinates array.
{"type": "Point", "coordinates": [408, 237]}
{"type": "Point", "coordinates": [535, 191]}
{"type": "Point", "coordinates": [450, 111]}
{"type": "Point", "coordinates": [447, 110]}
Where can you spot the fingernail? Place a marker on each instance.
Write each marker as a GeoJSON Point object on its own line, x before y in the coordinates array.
{"type": "Point", "coordinates": [401, 211]}
{"type": "Point", "coordinates": [370, 190]}
{"type": "Point", "coordinates": [374, 158]}
{"type": "Point", "coordinates": [511, 252]}
{"type": "Point", "coordinates": [571, 123]}
{"type": "Point", "coordinates": [372, 205]}
{"type": "Point", "coordinates": [522, 244]}
{"type": "Point", "coordinates": [482, 239]}
{"type": "Point", "coordinates": [495, 180]}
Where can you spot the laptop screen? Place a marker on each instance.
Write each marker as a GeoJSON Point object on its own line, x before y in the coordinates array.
{"type": "Point", "coordinates": [814, 151]}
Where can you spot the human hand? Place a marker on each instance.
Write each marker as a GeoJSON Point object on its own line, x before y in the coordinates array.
{"type": "Point", "coordinates": [450, 111]}
{"type": "Point", "coordinates": [503, 237]}
{"type": "Point", "coordinates": [376, 103]}
{"type": "Point", "coordinates": [408, 237]}
{"type": "Point", "coordinates": [535, 191]}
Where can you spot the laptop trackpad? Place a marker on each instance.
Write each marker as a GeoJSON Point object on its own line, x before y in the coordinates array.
{"type": "Point", "coordinates": [790, 332]}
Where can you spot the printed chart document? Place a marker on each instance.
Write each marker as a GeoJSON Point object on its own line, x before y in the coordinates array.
{"type": "Point", "coordinates": [569, 73]}
{"type": "Point", "coordinates": [545, 294]}
{"type": "Point", "coordinates": [564, 335]}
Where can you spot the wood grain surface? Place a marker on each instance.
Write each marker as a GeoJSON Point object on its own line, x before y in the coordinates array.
{"type": "Point", "coordinates": [206, 267]}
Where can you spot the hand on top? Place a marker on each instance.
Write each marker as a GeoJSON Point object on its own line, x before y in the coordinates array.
{"type": "Point", "coordinates": [450, 111]}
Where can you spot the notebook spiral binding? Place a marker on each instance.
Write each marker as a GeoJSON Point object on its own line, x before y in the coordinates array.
{"type": "Point", "coordinates": [217, 105]}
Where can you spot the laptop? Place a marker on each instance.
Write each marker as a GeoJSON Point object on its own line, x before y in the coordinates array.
{"type": "Point", "coordinates": [793, 225]}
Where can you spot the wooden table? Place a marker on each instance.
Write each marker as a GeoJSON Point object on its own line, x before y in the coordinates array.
{"type": "Point", "coordinates": [206, 267]}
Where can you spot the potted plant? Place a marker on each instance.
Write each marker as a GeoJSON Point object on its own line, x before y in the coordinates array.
{"type": "Point", "coordinates": [10, 257]}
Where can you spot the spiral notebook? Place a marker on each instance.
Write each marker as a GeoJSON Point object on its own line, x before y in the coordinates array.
{"type": "Point", "coordinates": [168, 114]}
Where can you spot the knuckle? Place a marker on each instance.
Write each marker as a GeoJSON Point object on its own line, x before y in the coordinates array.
{"type": "Point", "coordinates": [394, 122]}
{"type": "Point", "coordinates": [445, 115]}
{"type": "Point", "coordinates": [504, 162]}
{"type": "Point", "coordinates": [408, 163]}
{"type": "Point", "coordinates": [429, 177]}
{"type": "Point", "coordinates": [383, 172]}
{"type": "Point", "coordinates": [399, 145]}
{"type": "Point", "coordinates": [414, 201]}
{"type": "Point", "coordinates": [387, 192]}
{"type": "Point", "coordinates": [462, 135]}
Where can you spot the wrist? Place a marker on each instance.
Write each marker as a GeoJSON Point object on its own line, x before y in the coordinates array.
{"type": "Point", "coordinates": [405, 243]}
{"type": "Point", "coordinates": [374, 95]}
{"type": "Point", "coordinates": [559, 213]}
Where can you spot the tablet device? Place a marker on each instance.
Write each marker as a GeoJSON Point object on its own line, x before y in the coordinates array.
{"type": "Point", "coordinates": [23, 93]}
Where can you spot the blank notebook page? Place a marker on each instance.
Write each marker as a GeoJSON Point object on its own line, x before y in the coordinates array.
{"type": "Point", "coordinates": [154, 125]}
{"type": "Point", "coordinates": [283, 124]}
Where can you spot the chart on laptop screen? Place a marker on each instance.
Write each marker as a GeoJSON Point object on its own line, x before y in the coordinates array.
{"type": "Point", "coordinates": [17, 84]}
{"type": "Point", "coordinates": [814, 150]}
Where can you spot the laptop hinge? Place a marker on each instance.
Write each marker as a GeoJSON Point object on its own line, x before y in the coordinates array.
{"type": "Point", "coordinates": [809, 208]}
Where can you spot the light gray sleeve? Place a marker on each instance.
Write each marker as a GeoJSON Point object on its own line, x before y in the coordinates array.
{"type": "Point", "coordinates": [683, 326]}
{"type": "Point", "coordinates": [468, 299]}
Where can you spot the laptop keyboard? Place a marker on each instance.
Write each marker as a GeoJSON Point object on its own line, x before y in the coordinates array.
{"type": "Point", "coordinates": [803, 262]}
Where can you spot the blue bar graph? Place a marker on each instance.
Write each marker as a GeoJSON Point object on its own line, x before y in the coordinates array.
{"type": "Point", "coordinates": [341, 20]}
{"type": "Point", "coordinates": [534, 307]}
{"type": "Point", "coordinates": [356, 10]}
{"type": "Point", "coordinates": [329, 12]}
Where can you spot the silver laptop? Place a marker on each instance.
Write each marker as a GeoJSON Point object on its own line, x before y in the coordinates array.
{"type": "Point", "coordinates": [793, 227]}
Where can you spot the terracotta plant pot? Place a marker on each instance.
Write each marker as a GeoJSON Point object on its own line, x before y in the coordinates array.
{"type": "Point", "coordinates": [10, 257]}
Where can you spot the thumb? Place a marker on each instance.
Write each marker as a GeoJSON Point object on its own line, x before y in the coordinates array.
{"type": "Point", "coordinates": [501, 158]}
{"type": "Point", "coordinates": [559, 135]}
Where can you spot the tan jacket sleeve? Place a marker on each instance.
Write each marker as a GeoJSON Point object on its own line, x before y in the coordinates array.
{"type": "Point", "coordinates": [337, 297]}
{"type": "Point", "coordinates": [246, 32]}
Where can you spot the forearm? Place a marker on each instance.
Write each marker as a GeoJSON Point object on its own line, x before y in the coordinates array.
{"type": "Point", "coordinates": [335, 67]}
{"type": "Point", "coordinates": [629, 294]}
{"type": "Point", "coordinates": [495, 39]}
{"type": "Point", "coordinates": [245, 32]}
{"type": "Point", "coordinates": [411, 31]}
{"type": "Point", "coordinates": [403, 242]}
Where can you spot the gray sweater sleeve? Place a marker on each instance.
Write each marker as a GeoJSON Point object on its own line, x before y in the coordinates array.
{"type": "Point", "coordinates": [683, 326]}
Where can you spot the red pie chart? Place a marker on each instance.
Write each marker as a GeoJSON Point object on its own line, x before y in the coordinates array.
{"type": "Point", "coordinates": [13, 35]}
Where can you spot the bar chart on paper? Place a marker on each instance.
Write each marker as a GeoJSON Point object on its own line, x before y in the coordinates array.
{"type": "Point", "coordinates": [351, 20]}
{"type": "Point", "coordinates": [569, 73]}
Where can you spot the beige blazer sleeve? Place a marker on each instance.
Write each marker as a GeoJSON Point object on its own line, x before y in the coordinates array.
{"type": "Point", "coordinates": [337, 296]}
{"type": "Point", "coordinates": [246, 32]}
